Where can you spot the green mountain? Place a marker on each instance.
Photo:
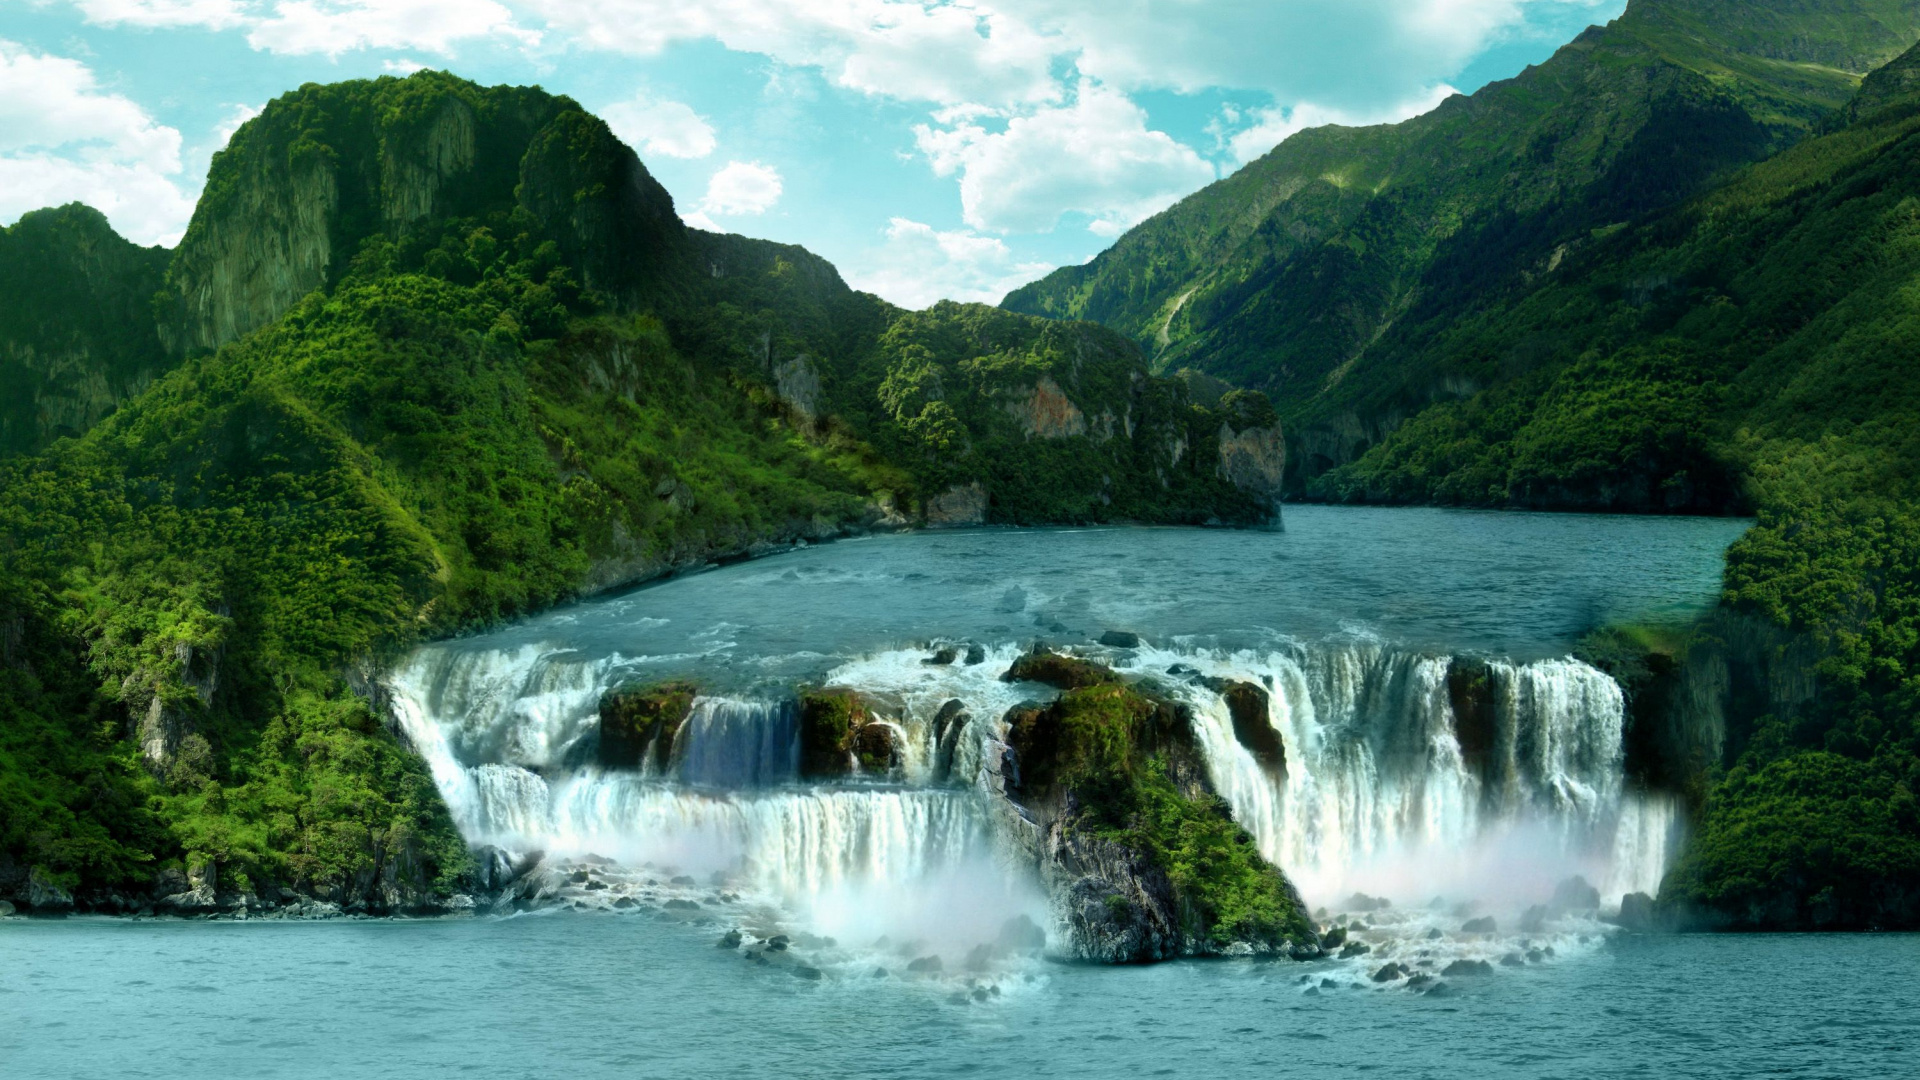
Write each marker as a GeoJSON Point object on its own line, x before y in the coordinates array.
{"type": "Point", "coordinates": [77, 336]}
{"type": "Point", "coordinates": [430, 356]}
{"type": "Point", "coordinates": [1292, 273]}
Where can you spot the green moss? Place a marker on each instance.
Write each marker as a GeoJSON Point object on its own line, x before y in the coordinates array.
{"type": "Point", "coordinates": [1096, 742]}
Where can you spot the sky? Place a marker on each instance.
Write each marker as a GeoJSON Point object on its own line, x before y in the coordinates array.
{"type": "Point", "coordinates": [930, 148]}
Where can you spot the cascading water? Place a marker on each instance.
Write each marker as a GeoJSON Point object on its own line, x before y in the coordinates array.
{"type": "Point", "coordinates": [1388, 790]}
{"type": "Point", "coordinates": [509, 734]}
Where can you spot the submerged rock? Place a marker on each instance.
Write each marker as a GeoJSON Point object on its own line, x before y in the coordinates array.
{"type": "Point", "coordinates": [926, 965]}
{"type": "Point", "coordinates": [1354, 948]}
{"type": "Point", "coordinates": [943, 656]}
{"type": "Point", "coordinates": [1389, 972]}
{"type": "Point", "coordinates": [1058, 670]}
{"type": "Point", "coordinates": [976, 655]}
{"type": "Point", "coordinates": [1482, 925]}
{"type": "Point", "coordinates": [1467, 967]}
{"type": "Point", "coordinates": [729, 940]}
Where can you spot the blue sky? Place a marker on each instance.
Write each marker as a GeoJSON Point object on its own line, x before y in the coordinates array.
{"type": "Point", "coordinates": [930, 148]}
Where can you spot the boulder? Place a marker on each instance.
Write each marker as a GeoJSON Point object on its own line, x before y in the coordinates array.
{"type": "Point", "coordinates": [1467, 967]}
{"type": "Point", "coordinates": [876, 748]}
{"type": "Point", "coordinates": [1120, 639]}
{"type": "Point", "coordinates": [1043, 665]}
{"type": "Point", "coordinates": [1354, 948]}
{"type": "Point", "coordinates": [638, 724]}
{"type": "Point", "coordinates": [948, 723]}
{"type": "Point", "coordinates": [6, 909]}
{"type": "Point", "coordinates": [976, 655]}
{"type": "Point", "coordinates": [729, 940]}
{"type": "Point", "coordinates": [1637, 912]}
{"type": "Point", "coordinates": [1334, 938]}
{"type": "Point", "coordinates": [1022, 934]}
{"type": "Point", "coordinates": [926, 965]}
{"type": "Point", "coordinates": [1253, 726]}
{"type": "Point", "coordinates": [1513, 960]}
{"type": "Point", "coordinates": [1389, 972]}
{"type": "Point", "coordinates": [44, 895]}
{"type": "Point", "coordinates": [944, 656]}
{"type": "Point", "coordinates": [1482, 925]}
{"type": "Point", "coordinates": [1575, 894]}
{"type": "Point", "coordinates": [839, 727]}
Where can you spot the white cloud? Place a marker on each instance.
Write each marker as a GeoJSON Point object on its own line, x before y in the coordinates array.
{"type": "Point", "coordinates": [326, 27]}
{"type": "Point", "coordinates": [402, 67]}
{"type": "Point", "coordinates": [210, 14]}
{"type": "Point", "coordinates": [1095, 156]}
{"type": "Point", "coordinates": [332, 27]}
{"type": "Point", "coordinates": [1274, 126]}
{"type": "Point", "coordinates": [742, 188]}
{"type": "Point", "coordinates": [920, 264]}
{"type": "Point", "coordinates": [1356, 53]}
{"type": "Point", "coordinates": [950, 52]}
{"type": "Point", "coordinates": [62, 139]}
{"type": "Point", "coordinates": [657, 126]}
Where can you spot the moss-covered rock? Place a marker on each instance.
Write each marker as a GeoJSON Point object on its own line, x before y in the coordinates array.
{"type": "Point", "coordinates": [843, 731]}
{"type": "Point", "coordinates": [638, 724]}
{"type": "Point", "coordinates": [1058, 670]}
{"type": "Point", "coordinates": [1146, 861]}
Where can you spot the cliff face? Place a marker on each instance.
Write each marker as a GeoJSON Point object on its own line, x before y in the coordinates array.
{"type": "Point", "coordinates": [300, 189]}
{"type": "Point", "coordinates": [76, 332]}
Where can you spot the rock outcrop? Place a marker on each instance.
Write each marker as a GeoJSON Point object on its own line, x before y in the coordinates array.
{"type": "Point", "coordinates": [638, 724]}
{"type": "Point", "coordinates": [1111, 784]}
{"type": "Point", "coordinates": [844, 732]}
{"type": "Point", "coordinates": [1253, 450]}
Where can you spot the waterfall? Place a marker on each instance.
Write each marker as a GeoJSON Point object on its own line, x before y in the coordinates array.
{"type": "Point", "coordinates": [1407, 775]}
{"type": "Point", "coordinates": [506, 735]}
{"type": "Point", "coordinates": [1416, 776]}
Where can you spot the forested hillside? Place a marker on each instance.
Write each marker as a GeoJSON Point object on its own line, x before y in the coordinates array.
{"type": "Point", "coordinates": [1675, 269]}
{"type": "Point", "coordinates": [1293, 274]}
{"type": "Point", "coordinates": [432, 356]}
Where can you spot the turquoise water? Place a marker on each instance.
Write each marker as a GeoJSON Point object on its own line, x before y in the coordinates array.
{"type": "Point", "coordinates": [581, 996]}
{"type": "Point", "coordinates": [1336, 616]}
{"type": "Point", "coordinates": [1518, 585]}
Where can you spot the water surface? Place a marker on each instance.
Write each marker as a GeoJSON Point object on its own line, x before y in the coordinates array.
{"type": "Point", "coordinates": [583, 996]}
